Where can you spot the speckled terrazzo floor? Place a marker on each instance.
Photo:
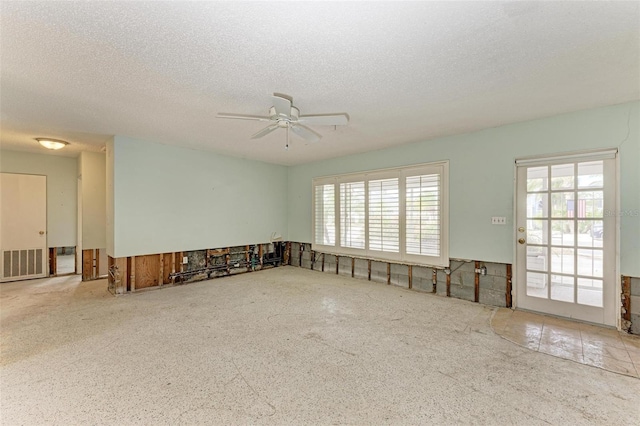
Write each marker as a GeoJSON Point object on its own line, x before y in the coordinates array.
{"type": "Point", "coordinates": [283, 346]}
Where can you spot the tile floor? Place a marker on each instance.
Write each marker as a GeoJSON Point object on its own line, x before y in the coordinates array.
{"type": "Point", "coordinates": [587, 344]}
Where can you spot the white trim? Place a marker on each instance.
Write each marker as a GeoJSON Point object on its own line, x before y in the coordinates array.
{"type": "Point", "coordinates": [618, 275]}
{"type": "Point", "coordinates": [568, 157]}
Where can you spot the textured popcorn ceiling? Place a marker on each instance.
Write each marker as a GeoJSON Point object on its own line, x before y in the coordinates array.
{"type": "Point", "coordinates": [404, 72]}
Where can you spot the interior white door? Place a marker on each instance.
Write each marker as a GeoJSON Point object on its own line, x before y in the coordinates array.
{"type": "Point", "coordinates": [566, 239]}
{"type": "Point", "coordinates": [23, 226]}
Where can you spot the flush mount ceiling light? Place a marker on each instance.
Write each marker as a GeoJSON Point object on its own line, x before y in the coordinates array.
{"type": "Point", "coordinates": [52, 143]}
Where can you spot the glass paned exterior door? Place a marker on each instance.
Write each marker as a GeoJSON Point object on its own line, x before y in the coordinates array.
{"type": "Point", "coordinates": [566, 239]}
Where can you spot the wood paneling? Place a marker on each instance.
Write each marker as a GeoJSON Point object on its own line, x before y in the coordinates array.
{"type": "Point", "coordinates": [87, 265]}
{"type": "Point", "coordinates": [147, 271]}
{"type": "Point", "coordinates": [169, 264]}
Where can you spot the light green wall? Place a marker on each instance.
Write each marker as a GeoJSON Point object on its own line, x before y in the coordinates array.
{"type": "Point", "coordinates": [62, 174]}
{"type": "Point", "coordinates": [92, 167]}
{"type": "Point", "coordinates": [166, 198]}
{"type": "Point", "coordinates": [482, 177]}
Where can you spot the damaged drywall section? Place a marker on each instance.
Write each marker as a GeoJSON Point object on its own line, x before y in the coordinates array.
{"type": "Point", "coordinates": [483, 282]}
{"type": "Point", "coordinates": [631, 304]}
{"type": "Point", "coordinates": [130, 274]}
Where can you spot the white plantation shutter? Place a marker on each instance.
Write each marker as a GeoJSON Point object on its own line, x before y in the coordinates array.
{"type": "Point", "coordinates": [423, 215]}
{"type": "Point", "coordinates": [325, 215]}
{"type": "Point", "coordinates": [384, 215]}
{"type": "Point", "coordinates": [398, 214]}
{"type": "Point", "coordinates": [352, 216]}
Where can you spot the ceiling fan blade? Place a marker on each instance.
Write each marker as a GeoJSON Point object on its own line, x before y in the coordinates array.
{"type": "Point", "coordinates": [282, 104]}
{"type": "Point", "coordinates": [324, 119]}
{"type": "Point", "coordinates": [265, 131]}
{"type": "Point", "coordinates": [305, 133]}
{"type": "Point", "coordinates": [242, 116]}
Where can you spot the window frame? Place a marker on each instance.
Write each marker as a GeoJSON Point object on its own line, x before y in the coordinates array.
{"type": "Point", "coordinates": [440, 167]}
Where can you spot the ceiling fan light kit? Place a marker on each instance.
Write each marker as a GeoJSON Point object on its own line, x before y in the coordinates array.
{"type": "Point", "coordinates": [283, 115]}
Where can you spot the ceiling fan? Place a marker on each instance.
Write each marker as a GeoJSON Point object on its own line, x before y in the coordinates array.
{"type": "Point", "coordinates": [284, 115]}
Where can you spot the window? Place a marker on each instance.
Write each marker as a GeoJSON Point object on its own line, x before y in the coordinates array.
{"type": "Point", "coordinates": [423, 214]}
{"type": "Point", "coordinates": [394, 214]}
{"type": "Point", "coordinates": [384, 215]}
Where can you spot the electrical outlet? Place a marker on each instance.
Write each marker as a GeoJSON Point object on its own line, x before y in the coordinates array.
{"type": "Point", "coordinates": [498, 220]}
{"type": "Point", "coordinates": [185, 260]}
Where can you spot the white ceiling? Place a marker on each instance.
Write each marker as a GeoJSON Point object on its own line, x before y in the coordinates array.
{"type": "Point", "coordinates": [404, 72]}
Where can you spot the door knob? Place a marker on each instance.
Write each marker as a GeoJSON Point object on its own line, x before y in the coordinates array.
{"type": "Point", "coordinates": [41, 232]}
{"type": "Point", "coordinates": [521, 240]}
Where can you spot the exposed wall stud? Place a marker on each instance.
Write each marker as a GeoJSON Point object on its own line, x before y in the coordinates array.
{"type": "Point", "coordinates": [53, 261]}
{"type": "Point", "coordinates": [434, 280]}
{"type": "Point", "coordinates": [626, 298]}
{"type": "Point", "coordinates": [322, 262]}
{"type": "Point", "coordinates": [97, 270]}
{"type": "Point", "coordinates": [161, 270]}
{"type": "Point", "coordinates": [369, 269]}
{"type": "Point", "coordinates": [476, 281]}
{"type": "Point", "coordinates": [337, 264]}
{"type": "Point", "coordinates": [173, 267]}
{"type": "Point", "coordinates": [388, 274]}
{"type": "Point", "coordinates": [313, 258]}
{"type": "Point", "coordinates": [448, 285]}
{"type": "Point", "coordinates": [287, 253]}
{"type": "Point", "coordinates": [410, 272]}
{"type": "Point", "coordinates": [123, 273]}
{"type": "Point", "coordinates": [260, 255]}
{"type": "Point", "coordinates": [132, 273]}
{"type": "Point", "coordinates": [353, 266]}
{"type": "Point", "coordinates": [508, 301]}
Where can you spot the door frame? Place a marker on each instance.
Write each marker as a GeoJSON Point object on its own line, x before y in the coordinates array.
{"type": "Point", "coordinates": [572, 156]}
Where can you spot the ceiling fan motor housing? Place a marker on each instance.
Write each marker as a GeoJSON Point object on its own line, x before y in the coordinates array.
{"type": "Point", "coordinates": [294, 114]}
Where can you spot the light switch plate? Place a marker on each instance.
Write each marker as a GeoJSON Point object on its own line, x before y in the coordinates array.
{"type": "Point", "coordinates": [498, 220]}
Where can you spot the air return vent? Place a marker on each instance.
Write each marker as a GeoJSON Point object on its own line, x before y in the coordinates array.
{"type": "Point", "coordinates": [22, 263]}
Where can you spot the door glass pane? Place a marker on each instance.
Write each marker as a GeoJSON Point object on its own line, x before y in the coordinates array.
{"type": "Point", "coordinates": [590, 204]}
{"type": "Point", "coordinates": [590, 233]}
{"type": "Point", "coordinates": [562, 204]}
{"type": "Point", "coordinates": [590, 263]}
{"type": "Point", "coordinates": [537, 205]}
{"type": "Point", "coordinates": [537, 284]}
{"type": "Point", "coordinates": [562, 233]}
{"type": "Point", "coordinates": [562, 176]}
{"type": "Point", "coordinates": [590, 292]}
{"type": "Point", "coordinates": [562, 260]}
{"type": "Point", "coordinates": [590, 175]}
{"type": "Point", "coordinates": [537, 178]}
{"type": "Point", "coordinates": [562, 288]}
{"type": "Point", "coordinates": [537, 258]}
{"type": "Point", "coordinates": [537, 231]}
